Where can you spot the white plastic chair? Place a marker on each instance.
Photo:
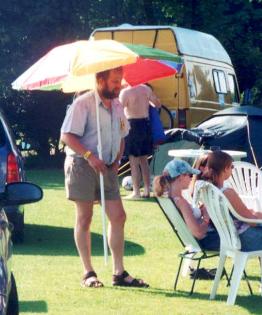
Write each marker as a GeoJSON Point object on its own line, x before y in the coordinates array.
{"type": "Point", "coordinates": [193, 250]}
{"type": "Point", "coordinates": [246, 180]}
{"type": "Point", "coordinates": [219, 210]}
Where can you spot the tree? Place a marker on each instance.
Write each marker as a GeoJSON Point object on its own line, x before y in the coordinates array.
{"type": "Point", "coordinates": [29, 29]}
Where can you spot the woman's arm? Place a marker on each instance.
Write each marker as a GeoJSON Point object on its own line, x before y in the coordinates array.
{"type": "Point", "coordinates": [204, 212]}
{"type": "Point", "coordinates": [197, 229]}
{"type": "Point", "coordinates": [239, 206]}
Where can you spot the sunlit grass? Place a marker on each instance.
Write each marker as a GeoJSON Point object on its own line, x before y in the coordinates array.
{"type": "Point", "coordinates": [48, 270]}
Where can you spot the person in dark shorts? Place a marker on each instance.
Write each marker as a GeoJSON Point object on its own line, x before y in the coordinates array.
{"type": "Point", "coordinates": [139, 143]}
{"type": "Point", "coordinates": [139, 140]}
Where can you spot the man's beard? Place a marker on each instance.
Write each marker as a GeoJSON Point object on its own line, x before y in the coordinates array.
{"type": "Point", "coordinates": [109, 94]}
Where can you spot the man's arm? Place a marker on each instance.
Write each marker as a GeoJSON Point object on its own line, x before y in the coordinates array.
{"type": "Point", "coordinates": [73, 143]}
{"type": "Point", "coordinates": [154, 100]}
{"type": "Point", "coordinates": [119, 155]}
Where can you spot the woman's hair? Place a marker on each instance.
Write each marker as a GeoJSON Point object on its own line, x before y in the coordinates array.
{"type": "Point", "coordinates": [160, 184]}
{"type": "Point", "coordinates": [201, 162]}
{"type": "Point", "coordinates": [217, 162]}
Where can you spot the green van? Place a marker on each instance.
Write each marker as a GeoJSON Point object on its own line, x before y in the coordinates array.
{"type": "Point", "coordinates": [208, 82]}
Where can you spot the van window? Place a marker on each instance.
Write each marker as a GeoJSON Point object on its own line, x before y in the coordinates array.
{"type": "Point", "coordinates": [233, 88]}
{"type": "Point", "coordinates": [220, 81]}
{"type": "Point", "coordinates": [191, 86]}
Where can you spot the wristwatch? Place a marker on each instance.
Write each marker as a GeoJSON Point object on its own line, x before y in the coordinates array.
{"type": "Point", "coordinates": [87, 155]}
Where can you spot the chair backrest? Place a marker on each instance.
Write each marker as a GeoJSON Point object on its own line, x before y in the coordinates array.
{"type": "Point", "coordinates": [219, 210]}
{"type": "Point", "coordinates": [178, 224]}
{"type": "Point", "coordinates": [246, 180]}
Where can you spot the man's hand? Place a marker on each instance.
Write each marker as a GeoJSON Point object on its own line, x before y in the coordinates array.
{"type": "Point", "coordinates": [97, 164]}
{"type": "Point", "coordinates": [115, 166]}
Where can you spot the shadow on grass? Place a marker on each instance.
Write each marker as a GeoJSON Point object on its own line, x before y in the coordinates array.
{"type": "Point", "coordinates": [253, 303]}
{"type": "Point", "coordinates": [33, 307]}
{"type": "Point", "coordinates": [58, 241]}
{"type": "Point", "coordinates": [151, 199]}
{"type": "Point", "coordinates": [47, 179]}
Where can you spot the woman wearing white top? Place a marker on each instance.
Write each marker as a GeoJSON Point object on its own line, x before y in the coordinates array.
{"type": "Point", "coordinates": [219, 170]}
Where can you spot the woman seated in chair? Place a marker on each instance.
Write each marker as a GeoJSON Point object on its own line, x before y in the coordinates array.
{"type": "Point", "coordinates": [219, 170]}
{"type": "Point", "coordinates": [176, 177]}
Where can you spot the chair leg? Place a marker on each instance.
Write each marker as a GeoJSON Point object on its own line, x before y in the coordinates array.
{"type": "Point", "coordinates": [245, 277]}
{"type": "Point", "coordinates": [239, 266]}
{"type": "Point", "coordinates": [227, 277]}
{"type": "Point", "coordinates": [195, 277]}
{"type": "Point", "coordinates": [247, 281]}
{"type": "Point", "coordinates": [220, 268]}
{"type": "Point", "coordinates": [178, 272]}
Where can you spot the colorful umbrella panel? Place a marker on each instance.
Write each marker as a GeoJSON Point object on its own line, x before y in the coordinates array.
{"type": "Point", "coordinates": [71, 67]}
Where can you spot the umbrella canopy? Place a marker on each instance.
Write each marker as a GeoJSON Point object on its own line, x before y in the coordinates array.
{"type": "Point", "coordinates": [71, 67]}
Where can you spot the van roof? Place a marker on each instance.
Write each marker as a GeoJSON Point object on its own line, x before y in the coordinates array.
{"type": "Point", "coordinates": [189, 42]}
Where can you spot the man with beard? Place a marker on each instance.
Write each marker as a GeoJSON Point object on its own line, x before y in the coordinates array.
{"type": "Point", "coordinates": [82, 168]}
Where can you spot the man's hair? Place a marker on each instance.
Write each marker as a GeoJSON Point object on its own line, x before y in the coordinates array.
{"type": "Point", "coordinates": [105, 74]}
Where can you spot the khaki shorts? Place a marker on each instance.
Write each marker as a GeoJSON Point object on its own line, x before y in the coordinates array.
{"type": "Point", "coordinates": [83, 183]}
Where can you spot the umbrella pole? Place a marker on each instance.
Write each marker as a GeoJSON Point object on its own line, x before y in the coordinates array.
{"type": "Point", "coordinates": [102, 190]}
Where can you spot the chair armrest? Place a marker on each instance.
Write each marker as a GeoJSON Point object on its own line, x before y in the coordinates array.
{"type": "Point", "coordinates": [247, 220]}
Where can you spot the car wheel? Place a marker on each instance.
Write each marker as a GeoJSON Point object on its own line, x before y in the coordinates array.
{"type": "Point", "coordinates": [12, 306]}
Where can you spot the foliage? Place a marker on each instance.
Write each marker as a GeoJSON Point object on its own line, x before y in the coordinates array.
{"type": "Point", "coordinates": [29, 29]}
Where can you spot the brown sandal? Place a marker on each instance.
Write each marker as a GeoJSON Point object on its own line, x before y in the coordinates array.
{"type": "Point", "coordinates": [91, 284]}
{"type": "Point", "coordinates": [119, 280]}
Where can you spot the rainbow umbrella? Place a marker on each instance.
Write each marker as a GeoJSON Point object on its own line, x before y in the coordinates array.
{"type": "Point", "coordinates": [71, 67]}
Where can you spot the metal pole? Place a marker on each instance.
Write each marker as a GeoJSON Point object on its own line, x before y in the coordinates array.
{"type": "Point", "coordinates": [102, 190]}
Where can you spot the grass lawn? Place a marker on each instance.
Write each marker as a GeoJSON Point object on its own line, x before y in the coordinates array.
{"type": "Point", "coordinates": [48, 270]}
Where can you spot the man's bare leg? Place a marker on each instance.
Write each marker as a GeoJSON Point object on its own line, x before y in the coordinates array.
{"type": "Point", "coordinates": [117, 218]}
{"type": "Point", "coordinates": [84, 213]}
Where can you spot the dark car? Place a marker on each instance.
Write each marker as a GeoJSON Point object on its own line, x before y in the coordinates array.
{"type": "Point", "coordinates": [11, 170]}
{"type": "Point", "coordinates": [13, 194]}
